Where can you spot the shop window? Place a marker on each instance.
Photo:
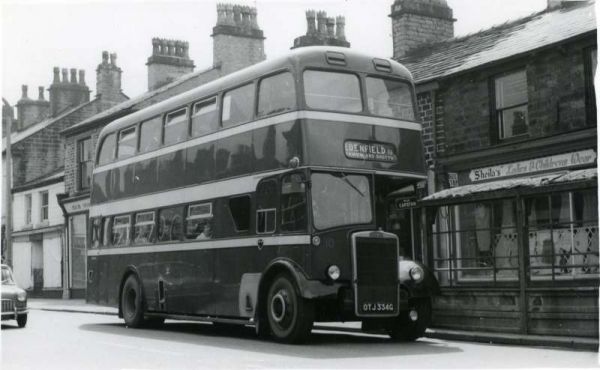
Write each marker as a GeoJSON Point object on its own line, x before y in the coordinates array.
{"type": "Point", "coordinates": [204, 117]}
{"type": "Point", "coordinates": [127, 142]}
{"type": "Point", "coordinates": [121, 228]}
{"type": "Point", "coordinates": [240, 212]}
{"type": "Point", "coordinates": [238, 105]}
{"type": "Point", "coordinates": [562, 233]}
{"type": "Point", "coordinates": [176, 126]}
{"type": "Point", "coordinates": [170, 224]}
{"type": "Point", "coordinates": [198, 223]}
{"type": "Point", "coordinates": [84, 163]}
{"type": "Point", "coordinates": [143, 230]}
{"type": "Point", "coordinates": [150, 134]}
{"type": "Point", "coordinates": [511, 105]}
{"type": "Point", "coordinates": [476, 242]}
{"type": "Point", "coordinates": [293, 203]}
{"type": "Point", "coordinates": [276, 94]}
{"type": "Point", "coordinates": [44, 206]}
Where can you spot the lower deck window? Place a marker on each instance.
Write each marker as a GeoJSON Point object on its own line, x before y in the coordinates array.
{"type": "Point", "coordinates": [170, 224]}
{"type": "Point", "coordinates": [121, 230]}
{"type": "Point", "coordinates": [240, 212]}
{"type": "Point", "coordinates": [143, 230]}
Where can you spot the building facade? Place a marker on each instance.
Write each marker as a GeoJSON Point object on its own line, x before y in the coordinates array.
{"type": "Point", "coordinates": [510, 131]}
{"type": "Point", "coordinates": [37, 252]}
{"type": "Point", "coordinates": [237, 43]}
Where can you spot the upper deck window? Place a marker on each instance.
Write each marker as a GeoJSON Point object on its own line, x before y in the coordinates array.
{"type": "Point", "coordinates": [276, 94]}
{"type": "Point", "coordinates": [204, 117]}
{"type": "Point", "coordinates": [150, 134]}
{"type": "Point", "coordinates": [107, 150]}
{"type": "Point", "coordinates": [332, 91]}
{"type": "Point", "coordinates": [390, 98]}
{"type": "Point", "coordinates": [238, 105]}
{"type": "Point", "coordinates": [176, 126]}
{"type": "Point", "coordinates": [127, 143]}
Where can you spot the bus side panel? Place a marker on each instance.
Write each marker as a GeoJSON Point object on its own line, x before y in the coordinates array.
{"type": "Point", "coordinates": [233, 263]}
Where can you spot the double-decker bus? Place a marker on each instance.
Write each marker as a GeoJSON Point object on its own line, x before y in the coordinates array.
{"type": "Point", "coordinates": [260, 199]}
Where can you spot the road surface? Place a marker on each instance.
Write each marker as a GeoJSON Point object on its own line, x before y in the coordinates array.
{"type": "Point", "coordinates": [60, 340]}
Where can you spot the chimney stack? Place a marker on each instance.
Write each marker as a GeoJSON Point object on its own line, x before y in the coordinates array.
{"type": "Point", "coordinates": [416, 23]}
{"type": "Point", "coordinates": [169, 61]}
{"type": "Point", "coordinates": [238, 41]}
{"type": "Point", "coordinates": [108, 79]}
{"type": "Point", "coordinates": [328, 31]}
{"type": "Point", "coordinates": [67, 93]}
{"type": "Point", "coordinates": [31, 111]}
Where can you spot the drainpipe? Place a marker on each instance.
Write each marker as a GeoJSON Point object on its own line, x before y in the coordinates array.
{"type": "Point", "coordinates": [66, 293]}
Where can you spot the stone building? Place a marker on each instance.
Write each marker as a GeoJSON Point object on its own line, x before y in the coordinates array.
{"type": "Point", "coordinates": [326, 31]}
{"type": "Point", "coordinates": [510, 134]}
{"type": "Point", "coordinates": [238, 42]}
{"type": "Point", "coordinates": [38, 156]}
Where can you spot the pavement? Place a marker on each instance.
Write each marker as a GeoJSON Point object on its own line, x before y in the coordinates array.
{"type": "Point", "coordinates": [576, 343]}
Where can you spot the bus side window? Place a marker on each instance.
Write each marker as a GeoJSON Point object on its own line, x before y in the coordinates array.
{"type": "Point", "coordinates": [107, 150]}
{"type": "Point", "coordinates": [170, 224]}
{"type": "Point", "coordinates": [293, 203]}
{"type": "Point", "coordinates": [96, 232]}
{"type": "Point", "coordinates": [176, 126]}
{"type": "Point", "coordinates": [240, 212]}
{"type": "Point", "coordinates": [204, 117]}
{"type": "Point", "coordinates": [143, 230]}
{"type": "Point", "coordinates": [127, 142]}
{"type": "Point", "coordinates": [150, 134]}
{"type": "Point", "coordinates": [198, 223]}
{"type": "Point", "coordinates": [121, 229]}
{"type": "Point", "coordinates": [276, 94]}
{"type": "Point", "coordinates": [266, 206]}
{"type": "Point", "coordinates": [238, 105]}
{"type": "Point", "coordinates": [106, 235]}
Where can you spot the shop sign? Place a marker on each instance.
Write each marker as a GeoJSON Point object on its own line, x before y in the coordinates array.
{"type": "Point", "coordinates": [554, 162]}
{"type": "Point", "coordinates": [370, 151]}
{"type": "Point", "coordinates": [78, 206]}
{"type": "Point", "coordinates": [405, 203]}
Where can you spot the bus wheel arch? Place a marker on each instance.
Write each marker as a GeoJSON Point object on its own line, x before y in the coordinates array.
{"type": "Point", "coordinates": [273, 273]}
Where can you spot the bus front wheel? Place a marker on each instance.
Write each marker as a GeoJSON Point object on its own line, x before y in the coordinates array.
{"type": "Point", "coordinates": [289, 315]}
{"type": "Point", "coordinates": [132, 303]}
{"type": "Point", "coordinates": [411, 324]}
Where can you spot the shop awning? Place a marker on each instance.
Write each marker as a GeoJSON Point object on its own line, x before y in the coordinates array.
{"type": "Point", "coordinates": [528, 182]}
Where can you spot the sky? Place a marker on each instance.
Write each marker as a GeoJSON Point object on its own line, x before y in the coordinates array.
{"type": "Point", "coordinates": [37, 35]}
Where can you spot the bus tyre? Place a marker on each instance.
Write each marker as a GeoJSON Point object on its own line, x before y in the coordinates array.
{"type": "Point", "coordinates": [132, 303]}
{"type": "Point", "coordinates": [289, 315]}
{"type": "Point", "coordinates": [22, 320]}
{"type": "Point", "coordinates": [406, 329]}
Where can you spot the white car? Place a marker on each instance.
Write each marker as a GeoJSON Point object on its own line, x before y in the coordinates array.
{"type": "Point", "coordinates": [14, 299]}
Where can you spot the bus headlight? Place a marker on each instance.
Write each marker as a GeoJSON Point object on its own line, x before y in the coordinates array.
{"type": "Point", "coordinates": [417, 273]}
{"type": "Point", "coordinates": [333, 272]}
{"type": "Point", "coordinates": [21, 296]}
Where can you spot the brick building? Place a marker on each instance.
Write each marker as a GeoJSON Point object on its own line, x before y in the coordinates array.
{"type": "Point", "coordinates": [510, 133]}
{"type": "Point", "coordinates": [38, 155]}
{"type": "Point", "coordinates": [238, 42]}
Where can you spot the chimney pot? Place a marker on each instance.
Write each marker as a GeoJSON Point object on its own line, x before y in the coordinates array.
{"type": "Point", "coordinates": [81, 77]}
{"type": "Point", "coordinates": [113, 59]}
{"type": "Point", "coordinates": [321, 22]}
{"type": "Point", "coordinates": [330, 27]}
{"type": "Point", "coordinates": [311, 28]}
{"type": "Point", "coordinates": [340, 32]}
{"type": "Point", "coordinates": [41, 93]}
{"type": "Point", "coordinates": [73, 76]}
{"type": "Point", "coordinates": [105, 57]}
{"type": "Point", "coordinates": [65, 75]}
{"type": "Point", "coordinates": [23, 91]}
{"type": "Point", "coordinates": [56, 73]}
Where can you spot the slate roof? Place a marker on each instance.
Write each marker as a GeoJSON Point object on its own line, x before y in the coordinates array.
{"type": "Point", "coordinates": [510, 39]}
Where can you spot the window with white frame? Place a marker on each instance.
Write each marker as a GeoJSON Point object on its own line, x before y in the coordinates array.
{"type": "Point", "coordinates": [176, 126]}
{"type": "Point", "coordinates": [198, 222]}
{"type": "Point", "coordinates": [121, 229]}
{"type": "Point", "coordinates": [143, 230]}
{"type": "Point", "coordinates": [84, 163]}
{"type": "Point", "coordinates": [43, 206]}
{"type": "Point", "coordinates": [28, 206]}
{"type": "Point", "coordinates": [511, 104]}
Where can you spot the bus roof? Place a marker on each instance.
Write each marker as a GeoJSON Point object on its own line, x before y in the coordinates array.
{"type": "Point", "coordinates": [313, 56]}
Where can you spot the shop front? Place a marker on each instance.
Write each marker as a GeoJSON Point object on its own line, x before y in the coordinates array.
{"type": "Point", "coordinates": [76, 214]}
{"type": "Point", "coordinates": [515, 246]}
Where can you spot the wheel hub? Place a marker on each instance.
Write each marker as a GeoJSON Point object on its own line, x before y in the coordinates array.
{"type": "Point", "coordinates": [278, 307]}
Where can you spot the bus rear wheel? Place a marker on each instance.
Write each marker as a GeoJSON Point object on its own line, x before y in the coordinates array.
{"type": "Point", "coordinates": [132, 303]}
{"type": "Point", "coordinates": [411, 324]}
{"type": "Point", "coordinates": [289, 315]}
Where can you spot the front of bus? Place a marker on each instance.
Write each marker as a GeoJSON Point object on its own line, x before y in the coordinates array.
{"type": "Point", "coordinates": [362, 143]}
